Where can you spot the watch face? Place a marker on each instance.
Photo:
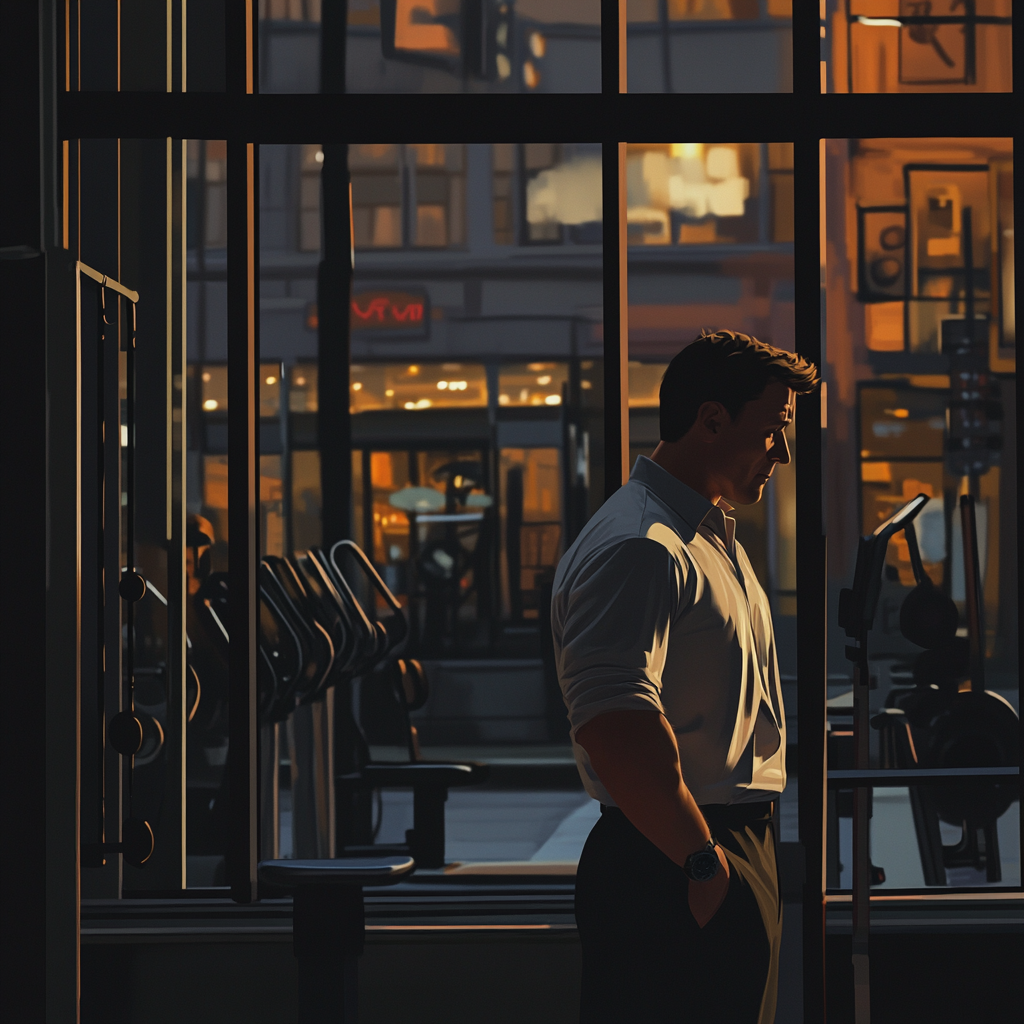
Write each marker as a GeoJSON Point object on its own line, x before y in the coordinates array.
{"type": "Point", "coordinates": [704, 866]}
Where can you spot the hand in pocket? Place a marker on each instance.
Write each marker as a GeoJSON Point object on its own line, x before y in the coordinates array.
{"type": "Point", "coordinates": [706, 897]}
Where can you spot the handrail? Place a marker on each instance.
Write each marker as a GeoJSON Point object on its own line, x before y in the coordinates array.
{"type": "Point", "coordinates": [108, 282]}
{"type": "Point", "coordinates": [853, 779]}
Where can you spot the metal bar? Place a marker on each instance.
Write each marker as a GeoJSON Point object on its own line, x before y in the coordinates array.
{"type": "Point", "coordinates": [465, 118]}
{"type": "Point", "coordinates": [972, 588]}
{"type": "Point", "coordinates": [173, 821]}
{"type": "Point", "coordinates": [109, 282]}
{"type": "Point", "coordinates": [111, 601]}
{"type": "Point", "coordinates": [243, 541]}
{"type": "Point", "coordinates": [811, 587]}
{"type": "Point", "coordinates": [666, 46]}
{"type": "Point", "coordinates": [879, 778]}
{"type": "Point", "coordinates": [861, 839]}
{"type": "Point", "coordinates": [616, 305]}
{"type": "Point", "coordinates": [613, 49]}
{"type": "Point", "coordinates": [334, 288]}
{"type": "Point", "coordinates": [333, 23]}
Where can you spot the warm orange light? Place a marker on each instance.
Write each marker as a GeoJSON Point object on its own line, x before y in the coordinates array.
{"type": "Point", "coordinates": [412, 34]}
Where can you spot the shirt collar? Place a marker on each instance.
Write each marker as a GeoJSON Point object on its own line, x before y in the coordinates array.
{"type": "Point", "coordinates": [693, 508]}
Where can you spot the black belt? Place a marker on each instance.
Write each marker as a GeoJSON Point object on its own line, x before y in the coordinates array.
{"type": "Point", "coordinates": [719, 816]}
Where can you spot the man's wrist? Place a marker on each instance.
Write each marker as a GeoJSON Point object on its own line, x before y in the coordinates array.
{"type": "Point", "coordinates": [702, 865]}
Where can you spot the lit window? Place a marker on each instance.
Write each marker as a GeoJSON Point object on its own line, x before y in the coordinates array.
{"type": "Point", "coordinates": [418, 386]}
{"type": "Point", "coordinates": [532, 383]}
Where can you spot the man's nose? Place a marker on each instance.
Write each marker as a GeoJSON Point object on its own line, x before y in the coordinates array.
{"type": "Point", "coordinates": [780, 449]}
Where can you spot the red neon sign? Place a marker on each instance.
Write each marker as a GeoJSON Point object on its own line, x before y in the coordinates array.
{"type": "Point", "coordinates": [388, 311]}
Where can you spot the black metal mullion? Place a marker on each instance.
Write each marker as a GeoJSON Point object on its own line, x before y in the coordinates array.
{"type": "Point", "coordinates": [811, 610]}
{"type": "Point", "coordinates": [243, 446]}
{"type": "Point", "coordinates": [610, 47]}
{"type": "Point", "coordinates": [334, 282]}
{"type": "Point", "coordinates": [613, 439]}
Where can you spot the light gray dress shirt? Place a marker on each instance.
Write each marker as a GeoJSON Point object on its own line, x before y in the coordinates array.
{"type": "Point", "coordinates": [656, 607]}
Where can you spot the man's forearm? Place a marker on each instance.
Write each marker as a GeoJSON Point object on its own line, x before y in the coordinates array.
{"type": "Point", "coordinates": [635, 755]}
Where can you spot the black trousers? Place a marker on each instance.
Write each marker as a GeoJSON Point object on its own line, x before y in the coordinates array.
{"type": "Point", "coordinates": [645, 960]}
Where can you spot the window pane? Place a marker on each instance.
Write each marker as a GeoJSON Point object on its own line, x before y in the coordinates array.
{"type": "Point", "coordinates": [562, 193]}
{"type": "Point", "coordinates": [709, 46]}
{"type": "Point", "coordinates": [434, 46]}
{"type": "Point", "coordinates": [475, 392]}
{"type": "Point", "coordinates": [913, 408]}
{"type": "Point", "coordinates": [532, 384]}
{"type": "Point", "coordinates": [874, 52]}
{"type": "Point", "coordinates": [693, 193]}
{"type": "Point", "coordinates": [695, 198]}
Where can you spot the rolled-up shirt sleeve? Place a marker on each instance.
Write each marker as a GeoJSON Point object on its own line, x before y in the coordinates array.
{"type": "Point", "coordinates": [613, 624]}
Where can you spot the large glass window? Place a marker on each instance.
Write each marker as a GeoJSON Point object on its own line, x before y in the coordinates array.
{"type": "Point", "coordinates": [919, 405]}
{"type": "Point", "coordinates": [477, 440]}
{"type": "Point", "coordinates": [685, 202]}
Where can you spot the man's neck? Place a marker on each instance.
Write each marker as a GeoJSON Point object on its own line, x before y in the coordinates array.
{"type": "Point", "coordinates": [674, 458]}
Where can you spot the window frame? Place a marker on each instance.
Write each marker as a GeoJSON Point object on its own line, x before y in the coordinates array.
{"type": "Point", "coordinates": [245, 119]}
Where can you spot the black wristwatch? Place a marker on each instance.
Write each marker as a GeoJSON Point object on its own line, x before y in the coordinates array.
{"type": "Point", "coordinates": [703, 865]}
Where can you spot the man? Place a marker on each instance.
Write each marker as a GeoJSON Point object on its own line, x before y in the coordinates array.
{"type": "Point", "coordinates": [666, 660]}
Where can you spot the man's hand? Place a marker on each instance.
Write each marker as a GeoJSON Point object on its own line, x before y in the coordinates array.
{"type": "Point", "coordinates": [635, 755]}
{"type": "Point", "coordinates": [706, 897]}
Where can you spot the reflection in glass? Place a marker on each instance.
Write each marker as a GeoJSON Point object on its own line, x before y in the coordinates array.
{"type": "Point", "coordinates": [867, 46]}
{"type": "Point", "coordinates": [476, 391]}
{"type": "Point", "coordinates": [532, 384]}
{"type": "Point", "coordinates": [915, 408]}
{"type": "Point", "coordinates": [207, 501]}
{"type": "Point", "coordinates": [709, 46]}
{"type": "Point", "coordinates": [691, 193]}
{"type": "Point", "coordinates": [418, 386]}
{"type": "Point", "coordinates": [434, 46]}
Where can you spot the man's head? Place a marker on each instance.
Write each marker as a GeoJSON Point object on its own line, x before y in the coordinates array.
{"type": "Point", "coordinates": [727, 399]}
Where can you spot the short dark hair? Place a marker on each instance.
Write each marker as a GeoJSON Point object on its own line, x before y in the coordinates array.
{"type": "Point", "coordinates": [730, 368]}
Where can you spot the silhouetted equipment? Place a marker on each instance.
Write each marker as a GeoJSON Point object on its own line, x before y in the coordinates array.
{"type": "Point", "coordinates": [127, 732]}
{"type": "Point", "coordinates": [857, 609]}
{"type": "Point", "coordinates": [949, 720]}
{"type": "Point", "coordinates": [320, 634]}
{"type": "Point", "coordinates": [962, 726]}
{"type": "Point", "coordinates": [430, 781]}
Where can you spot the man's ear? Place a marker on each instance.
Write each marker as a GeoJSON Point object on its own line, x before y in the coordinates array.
{"type": "Point", "coordinates": [712, 417]}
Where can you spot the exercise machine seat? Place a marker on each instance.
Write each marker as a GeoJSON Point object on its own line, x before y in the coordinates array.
{"type": "Point", "coordinates": [429, 782]}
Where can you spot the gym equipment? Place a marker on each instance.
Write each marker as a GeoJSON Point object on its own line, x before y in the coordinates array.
{"type": "Point", "coordinates": [316, 637]}
{"type": "Point", "coordinates": [328, 926]}
{"type": "Point", "coordinates": [857, 608]}
{"type": "Point", "coordinates": [971, 731]}
{"type": "Point", "coordinates": [953, 722]}
{"type": "Point", "coordinates": [406, 684]}
{"type": "Point", "coordinates": [127, 731]}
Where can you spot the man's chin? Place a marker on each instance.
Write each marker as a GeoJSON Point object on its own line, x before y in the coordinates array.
{"type": "Point", "coordinates": [749, 496]}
